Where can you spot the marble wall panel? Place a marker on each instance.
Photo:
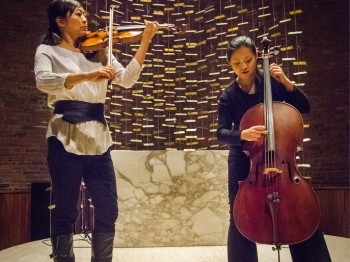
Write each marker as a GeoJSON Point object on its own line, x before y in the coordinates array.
{"type": "Point", "coordinates": [171, 198]}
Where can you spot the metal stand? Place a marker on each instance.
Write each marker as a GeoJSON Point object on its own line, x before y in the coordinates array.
{"type": "Point", "coordinates": [278, 248]}
{"type": "Point", "coordinates": [86, 215]}
{"type": "Point", "coordinates": [85, 220]}
{"type": "Point", "coordinates": [50, 207]}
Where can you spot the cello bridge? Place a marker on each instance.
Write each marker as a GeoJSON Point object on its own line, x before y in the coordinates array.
{"type": "Point", "coordinates": [272, 169]}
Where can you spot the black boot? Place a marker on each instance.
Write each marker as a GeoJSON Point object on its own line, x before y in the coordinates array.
{"type": "Point", "coordinates": [102, 247]}
{"type": "Point", "coordinates": [62, 248]}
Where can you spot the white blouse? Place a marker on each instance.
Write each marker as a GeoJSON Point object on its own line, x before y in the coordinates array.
{"type": "Point", "coordinates": [52, 66]}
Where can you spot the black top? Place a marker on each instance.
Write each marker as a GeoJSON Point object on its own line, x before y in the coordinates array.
{"type": "Point", "coordinates": [234, 102]}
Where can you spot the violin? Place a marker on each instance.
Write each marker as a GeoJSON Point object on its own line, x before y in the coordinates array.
{"type": "Point", "coordinates": [124, 34]}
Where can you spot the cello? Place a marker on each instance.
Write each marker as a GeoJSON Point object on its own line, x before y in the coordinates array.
{"type": "Point", "coordinates": [275, 204]}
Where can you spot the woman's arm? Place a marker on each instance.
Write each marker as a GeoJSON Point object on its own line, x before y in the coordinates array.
{"type": "Point", "coordinates": [127, 76]}
{"type": "Point", "coordinates": [291, 94]}
{"type": "Point", "coordinates": [224, 132]}
{"type": "Point", "coordinates": [54, 83]}
{"type": "Point", "coordinates": [46, 81]}
{"type": "Point", "coordinates": [101, 73]}
{"type": "Point", "coordinates": [278, 73]}
{"type": "Point", "coordinates": [147, 35]}
{"type": "Point", "coordinates": [298, 99]}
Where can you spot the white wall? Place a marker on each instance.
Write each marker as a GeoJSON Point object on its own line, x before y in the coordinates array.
{"type": "Point", "coordinates": [171, 198]}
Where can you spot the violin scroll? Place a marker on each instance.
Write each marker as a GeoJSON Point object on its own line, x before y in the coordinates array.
{"type": "Point", "coordinates": [180, 29]}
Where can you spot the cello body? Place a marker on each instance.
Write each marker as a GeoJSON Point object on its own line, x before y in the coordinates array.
{"type": "Point", "coordinates": [275, 204]}
{"type": "Point", "coordinates": [297, 213]}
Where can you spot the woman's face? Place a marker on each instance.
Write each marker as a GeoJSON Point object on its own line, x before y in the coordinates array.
{"type": "Point", "coordinates": [243, 63]}
{"type": "Point", "coordinates": [75, 24]}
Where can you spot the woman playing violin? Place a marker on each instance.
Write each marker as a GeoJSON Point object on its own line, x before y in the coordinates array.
{"type": "Point", "coordinates": [78, 135]}
{"type": "Point", "coordinates": [245, 91]}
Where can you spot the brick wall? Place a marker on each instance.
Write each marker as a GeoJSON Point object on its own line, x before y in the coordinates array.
{"type": "Point", "coordinates": [325, 27]}
{"type": "Point", "coordinates": [24, 114]}
{"type": "Point", "coordinates": [23, 109]}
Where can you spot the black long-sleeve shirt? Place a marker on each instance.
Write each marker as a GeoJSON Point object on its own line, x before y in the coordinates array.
{"type": "Point", "coordinates": [234, 102]}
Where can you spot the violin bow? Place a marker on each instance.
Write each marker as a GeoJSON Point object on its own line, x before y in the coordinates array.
{"type": "Point", "coordinates": [110, 40]}
{"type": "Point", "coordinates": [171, 27]}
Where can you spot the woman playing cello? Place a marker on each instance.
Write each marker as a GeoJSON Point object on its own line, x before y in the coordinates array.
{"type": "Point", "coordinates": [245, 91]}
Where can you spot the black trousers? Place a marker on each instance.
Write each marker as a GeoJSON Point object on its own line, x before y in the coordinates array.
{"type": "Point", "coordinates": [240, 249]}
{"type": "Point", "coordinates": [67, 170]}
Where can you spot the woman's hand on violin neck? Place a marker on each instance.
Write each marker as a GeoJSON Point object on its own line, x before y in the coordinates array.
{"type": "Point", "coordinates": [150, 30]}
{"type": "Point", "coordinates": [253, 133]}
{"type": "Point", "coordinates": [277, 72]}
{"type": "Point", "coordinates": [102, 73]}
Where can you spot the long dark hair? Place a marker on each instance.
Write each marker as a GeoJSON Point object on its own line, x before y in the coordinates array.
{"type": "Point", "coordinates": [238, 42]}
{"type": "Point", "coordinates": [57, 8]}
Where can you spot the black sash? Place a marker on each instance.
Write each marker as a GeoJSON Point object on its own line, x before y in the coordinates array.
{"type": "Point", "coordinates": [79, 111]}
